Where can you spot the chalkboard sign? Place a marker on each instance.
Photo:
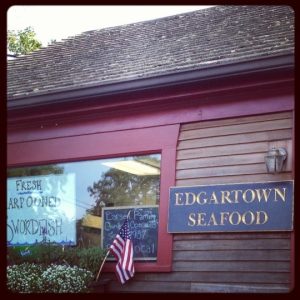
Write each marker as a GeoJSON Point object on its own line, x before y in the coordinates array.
{"type": "Point", "coordinates": [143, 224]}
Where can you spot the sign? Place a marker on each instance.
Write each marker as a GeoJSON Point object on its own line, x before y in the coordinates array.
{"type": "Point", "coordinates": [265, 206]}
{"type": "Point", "coordinates": [41, 208]}
{"type": "Point", "coordinates": [143, 224]}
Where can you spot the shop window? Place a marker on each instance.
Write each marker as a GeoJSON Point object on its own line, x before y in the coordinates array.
{"type": "Point", "coordinates": [65, 203]}
{"type": "Point", "coordinates": [88, 148]}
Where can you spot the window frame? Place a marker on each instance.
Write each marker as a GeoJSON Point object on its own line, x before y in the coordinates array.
{"type": "Point", "coordinates": [141, 141]}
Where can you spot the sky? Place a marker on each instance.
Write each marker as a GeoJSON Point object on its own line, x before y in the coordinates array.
{"type": "Point", "coordinates": [59, 22]}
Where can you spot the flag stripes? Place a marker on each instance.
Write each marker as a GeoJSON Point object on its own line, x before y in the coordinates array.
{"type": "Point", "coordinates": [122, 249]}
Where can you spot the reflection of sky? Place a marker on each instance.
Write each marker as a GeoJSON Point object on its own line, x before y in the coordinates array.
{"type": "Point", "coordinates": [86, 174]}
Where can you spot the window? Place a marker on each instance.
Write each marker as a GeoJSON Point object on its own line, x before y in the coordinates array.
{"type": "Point", "coordinates": [64, 202]}
{"type": "Point", "coordinates": [59, 147]}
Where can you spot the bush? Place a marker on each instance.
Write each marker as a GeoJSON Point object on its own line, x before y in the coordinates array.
{"type": "Point", "coordinates": [24, 278]}
{"type": "Point", "coordinates": [90, 258]}
{"type": "Point", "coordinates": [66, 279]}
{"type": "Point", "coordinates": [46, 254]}
{"type": "Point", "coordinates": [33, 278]}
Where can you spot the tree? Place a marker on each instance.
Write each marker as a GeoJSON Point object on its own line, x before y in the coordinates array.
{"type": "Point", "coordinates": [52, 41]}
{"type": "Point", "coordinates": [35, 171]}
{"type": "Point", "coordinates": [120, 188]}
{"type": "Point", "coordinates": [22, 41]}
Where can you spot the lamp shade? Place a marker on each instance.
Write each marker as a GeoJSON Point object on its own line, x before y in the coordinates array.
{"type": "Point", "coordinates": [275, 159]}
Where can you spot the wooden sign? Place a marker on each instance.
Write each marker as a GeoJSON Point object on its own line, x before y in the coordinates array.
{"type": "Point", "coordinates": [264, 206]}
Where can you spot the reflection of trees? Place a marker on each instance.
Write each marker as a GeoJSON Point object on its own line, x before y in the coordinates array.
{"type": "Point", "coordinates": [34, 171]}
{"type": "Point", "coordinates": [87, 236]}
{"type": "Point", "coordinates": [121, 188]}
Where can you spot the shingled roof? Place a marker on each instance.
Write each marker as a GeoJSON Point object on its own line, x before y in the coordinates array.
{"type": "Point", "coordinates": [219, 35]}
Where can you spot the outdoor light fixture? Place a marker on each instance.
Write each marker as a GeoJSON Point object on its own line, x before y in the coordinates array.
{"type": "Point", "coordinates": [275, 159]}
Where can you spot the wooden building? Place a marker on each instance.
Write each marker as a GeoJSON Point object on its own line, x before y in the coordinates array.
{"type": "Point", "coordinates": [210, 91]}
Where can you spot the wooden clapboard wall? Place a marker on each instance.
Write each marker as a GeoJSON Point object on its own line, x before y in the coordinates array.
{"type": "Point", "coordinates": [232, 151]}
{"type": "Point", "coordinates": [226, 151]}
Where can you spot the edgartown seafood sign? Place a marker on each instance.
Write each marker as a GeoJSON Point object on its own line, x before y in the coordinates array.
{"type": "Point", "coordinates": [264, 206]}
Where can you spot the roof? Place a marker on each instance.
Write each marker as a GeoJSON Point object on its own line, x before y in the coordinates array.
{"type": "Point", "coordinates": [199, 40]}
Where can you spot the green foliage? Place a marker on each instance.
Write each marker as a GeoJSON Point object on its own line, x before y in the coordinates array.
{"type": "Point", "coordinates": [33, 278]}
{"type": "Point", "coordinates": [22, 41]}
{"type": "Point", "coordinates": [91, 258]}
{"type": "Point", "coordinates": [33, 171]}
{"type": "Point", "coordinates": [120, 188]}
{"type": "Point", "coordinates": [44, 253]}
{"type": "Point", "coordinates": [47, 253]}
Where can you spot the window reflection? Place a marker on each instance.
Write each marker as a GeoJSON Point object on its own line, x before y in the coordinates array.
{"type": "Point", "coordinates": [126, 181]}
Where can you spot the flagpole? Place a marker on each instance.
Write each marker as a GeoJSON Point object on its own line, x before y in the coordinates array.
{"type": "Point", "coordinates": [102, 264]}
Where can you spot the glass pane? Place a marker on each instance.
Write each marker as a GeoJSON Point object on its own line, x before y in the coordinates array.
{"type": "Point", "coordinates": [64, 202]}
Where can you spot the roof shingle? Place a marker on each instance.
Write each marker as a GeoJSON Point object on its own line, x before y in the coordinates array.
{"type": "Point", "coordinates": [190, 41]}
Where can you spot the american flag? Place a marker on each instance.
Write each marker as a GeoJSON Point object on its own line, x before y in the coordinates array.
{"type": "Point", "coordinates": [122, 249]}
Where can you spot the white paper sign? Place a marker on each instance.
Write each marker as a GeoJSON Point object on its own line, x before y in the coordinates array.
{"type": "Point", "coordinates": [41, 208]}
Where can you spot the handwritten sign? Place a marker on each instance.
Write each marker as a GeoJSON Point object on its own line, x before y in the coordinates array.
{"type": "Point", "coordinates": [143, 224]}
{"type": "Point", "coordinates": [41, 208]}
{"type": "Point", "coordinates": [265, 206]}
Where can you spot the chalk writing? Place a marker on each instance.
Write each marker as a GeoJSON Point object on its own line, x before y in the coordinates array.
{"type": "Point", "coordinates": [28, 185]}
{"type": "Point", "coordinates": [41, 208]}
{"type": "Point", "coordinates": [25, 252]}
{"type": "Point", "coordinates": [44, 201]}
{"type": "Point", "coordinates": [143, 223]}
{"type": "Point", "coordinates": [50, 227]}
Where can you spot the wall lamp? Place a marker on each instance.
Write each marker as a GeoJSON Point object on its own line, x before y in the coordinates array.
{"type": "Point", "coordinates": [275, 159]}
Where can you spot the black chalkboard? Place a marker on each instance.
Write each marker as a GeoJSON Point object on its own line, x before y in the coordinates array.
{"type": "Point", "coordinates": [143, 224]}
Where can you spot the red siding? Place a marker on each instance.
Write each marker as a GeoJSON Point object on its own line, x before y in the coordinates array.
{"type": "Point", "coordinates": [148, 122]}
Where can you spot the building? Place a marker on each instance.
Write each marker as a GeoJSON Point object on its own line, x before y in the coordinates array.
{"type": "Point", "coordinates": [196, 99]}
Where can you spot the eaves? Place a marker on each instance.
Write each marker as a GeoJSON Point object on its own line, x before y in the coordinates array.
{"type": "Point", "coordinates": [67, 95]}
